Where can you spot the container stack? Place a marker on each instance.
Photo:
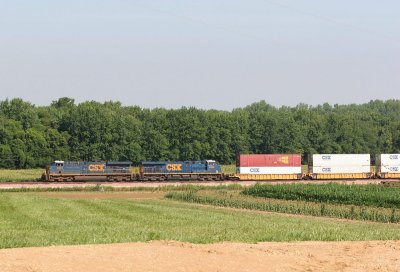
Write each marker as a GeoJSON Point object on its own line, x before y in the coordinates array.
{"type": "Point", "coordinates": [340, 166]}
{"type": "Point", "coordinates": [268, 166]}
{"type": "Point", "coordinates": [388, 165]}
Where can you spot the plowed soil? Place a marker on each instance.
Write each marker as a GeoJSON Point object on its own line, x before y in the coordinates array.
{"type": "Point", "coordinates": [177, 256]}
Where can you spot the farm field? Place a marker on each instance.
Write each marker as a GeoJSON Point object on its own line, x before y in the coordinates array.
{"type": "Point", "coordinates": [48, 218]}
{"type": "Point", "coordinates": [368, 195]}
{"type": "Point", "coordinates": [139, 226]}
{"type": "Point", "coordinates": [377, 203]}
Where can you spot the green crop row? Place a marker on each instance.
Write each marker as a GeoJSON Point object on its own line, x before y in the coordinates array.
{"type": "Point", "coordinates": [233, 200]}
{"type": "Point", "coordinates": [102, 188]}
{"type": "Point", "coordinates": [365, 195]}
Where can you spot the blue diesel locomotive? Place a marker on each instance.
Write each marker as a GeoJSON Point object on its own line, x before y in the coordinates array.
{"type": "Point", "coordinates": [122, 171]}
{"type": "Point", "coordinates": [70, 171]}
{"type": "Point", "coordinates": [180, 170]}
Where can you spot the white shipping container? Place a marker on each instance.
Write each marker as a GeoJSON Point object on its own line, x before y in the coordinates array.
{"type": "Point", "coordinates": [389, 169]}
{"type": "Point", "coordinates": [388, 160]}
{"type": "Point", "coordinates": [341, 169]}
{"type": "Point", "coordinates": [269, 170]}
{"type": "Point", "coordinates": [331, 160]}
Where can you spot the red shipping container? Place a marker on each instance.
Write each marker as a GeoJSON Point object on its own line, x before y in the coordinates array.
{"type": "Point", "coordinates": [271, 160]}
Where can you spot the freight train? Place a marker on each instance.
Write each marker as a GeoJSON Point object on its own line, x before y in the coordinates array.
{"type": "Point", "coordinates": [248, 167]}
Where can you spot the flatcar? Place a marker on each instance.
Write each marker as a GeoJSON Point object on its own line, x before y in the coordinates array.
{"type": "Point", "coordinates": [388, 166]}
{"type": "Point", "coordinates": [268, 167]}
{"type": "Point", "coordinates": [340, 166]}
{"type": "Point", "coordinates": [70, 171]}
{"type": "Point", "coordinates": [180, 170]}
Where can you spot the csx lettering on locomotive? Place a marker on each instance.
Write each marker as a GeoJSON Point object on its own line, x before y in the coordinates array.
{"type": "Point", "coordinates": [96, 168]}
{"type": "Point", "coordinates": [174, 167]}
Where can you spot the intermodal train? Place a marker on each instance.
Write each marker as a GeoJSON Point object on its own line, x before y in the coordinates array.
{"type": "Point", "coordinates": [248, 167]}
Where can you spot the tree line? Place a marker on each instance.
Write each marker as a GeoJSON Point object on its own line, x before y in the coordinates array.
{"type": "Point", "coordinates": [34, 136]}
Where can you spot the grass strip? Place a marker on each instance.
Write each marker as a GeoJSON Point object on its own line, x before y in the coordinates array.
{"type": "Point", "coordinates": [12, 175]}
{"type": "Point", "coordinates": [102, 188]}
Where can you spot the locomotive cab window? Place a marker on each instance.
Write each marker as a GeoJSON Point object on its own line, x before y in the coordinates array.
{"type": "Point", "coordinates": [210, 164]}
{"type": "Point", "coordinates": [59, 164]}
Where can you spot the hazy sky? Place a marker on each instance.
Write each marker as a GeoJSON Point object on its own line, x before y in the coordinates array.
{"type": "Point", "coordinates": [211, 53]}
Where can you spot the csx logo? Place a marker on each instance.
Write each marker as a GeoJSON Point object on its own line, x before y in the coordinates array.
{"type": "Point", "coordinates": [255, 170]}
{"type": "Point", "coordinates": [96, 168]}
{"type": "Point", "coordinates": [284, 160]}
{"type": "Point", "coordinates": [326, 169]}
{"type": "Point", "coordinates": [394, 157]}
{"type": "Point", "coordinates": [394, 169]}
{"type": "Point", "coordinates": [326, 157]}
{"type": "Point", "coordinates": [174, 167]}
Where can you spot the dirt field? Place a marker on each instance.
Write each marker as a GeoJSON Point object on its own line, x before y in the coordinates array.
{"type": "Point", "coordinates": [9, 185]}
{"type": "Point", "coordinates": [177, 256]}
